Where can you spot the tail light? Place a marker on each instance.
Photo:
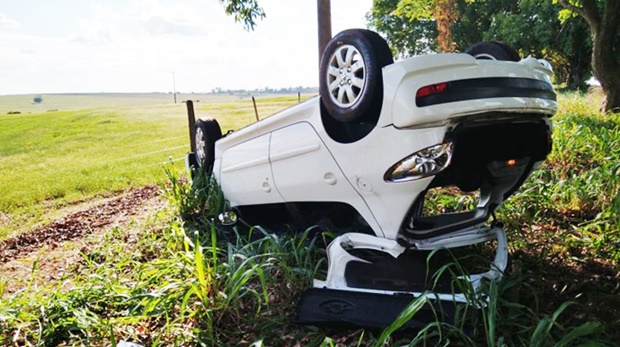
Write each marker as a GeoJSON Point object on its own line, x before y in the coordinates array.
{"type": "Point", "coordinates": [432, 89]}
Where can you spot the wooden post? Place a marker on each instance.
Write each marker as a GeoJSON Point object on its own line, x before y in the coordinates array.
{"type": "Point", "coordinates": [298, 97]}
{"type": "Point", "coordinates": [174, 88]}
{"type": "Point", "coordinates": [255, 109]}
{"type": "Point", "coordinates": [325, 24]}
{"type": "Point", "coordinates": [191, 119]}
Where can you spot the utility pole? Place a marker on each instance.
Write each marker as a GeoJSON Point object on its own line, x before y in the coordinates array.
{"type": "Point", "coordinates": [174, 88]}
{"type": "Point", "coordinates": [325, 24]}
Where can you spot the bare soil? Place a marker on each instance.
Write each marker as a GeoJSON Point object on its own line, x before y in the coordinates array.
{"type": "Point", "coordinates": [54, 247]}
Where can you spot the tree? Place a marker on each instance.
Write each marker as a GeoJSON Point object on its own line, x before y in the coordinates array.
{"type": "Point", "coordinates": [476, 18]}
{"type": "Point", "coordinates": [603, 18]}
{"type": "Point", "coordinates": [406, 37]}
{"type": "Point", "coordinates": [246, 11]}
{"type": "Point", "coordinates": [566, 45]}
{"type": "Point", "coordinates": [442, 11]}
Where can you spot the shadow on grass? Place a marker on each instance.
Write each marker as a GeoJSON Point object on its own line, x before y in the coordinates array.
{"type": "Point", "coordinates": [594, 285]}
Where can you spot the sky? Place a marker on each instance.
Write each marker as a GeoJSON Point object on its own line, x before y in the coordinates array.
{"type": "Point", "coordinates": [94, 46]}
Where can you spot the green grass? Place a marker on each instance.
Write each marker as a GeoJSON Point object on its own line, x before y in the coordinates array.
{"type": "Point", "coordinates": [171, 285]}
{"type": "Point", "coordinates": [180, 281]}
{"type": "Point", "coordinates": [50, 159]}
{"type": "Point", "coordinates": [578, 188]}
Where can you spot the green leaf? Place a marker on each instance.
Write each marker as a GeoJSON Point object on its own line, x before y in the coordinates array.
{"type": "Point", "coordinates": [588, 328]}
{"type": "Point", "coordinates": [415, 9]}
{"type": "Point", "coordinates": [566, 14]}
{"type": "Point", "coordinates": [414, 307]}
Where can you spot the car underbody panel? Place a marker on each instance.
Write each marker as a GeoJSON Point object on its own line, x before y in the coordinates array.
{"type": "Point", "coordinates": [371, 290]}
{"type": "Point", "coordinates": [321, 306]}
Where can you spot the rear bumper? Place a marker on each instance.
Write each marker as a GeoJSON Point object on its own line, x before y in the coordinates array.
{"type": "Point", "coordinates": [473, 87]}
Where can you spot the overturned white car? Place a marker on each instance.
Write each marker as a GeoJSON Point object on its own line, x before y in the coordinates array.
{"type": "Point", "coordinates": [360, 158]}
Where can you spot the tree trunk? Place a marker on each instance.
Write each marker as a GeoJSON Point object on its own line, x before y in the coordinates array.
{"type": "Point", "coordinates": [607, 72]}
{"type": "Point", "coordinates": [606, 68]}
{"type": "Point", "coordinates": [612, 100]}
{"type": "Point", "coordinates": [605, 34]}
{"type": "Point", "coordinates": [579, 66]}
{"type": "Point", "coordinates": [445, 13]}
{"type": "Point", "coordinates": [605, 30]}
{"type": "Point", "coordinates": [575, 79]}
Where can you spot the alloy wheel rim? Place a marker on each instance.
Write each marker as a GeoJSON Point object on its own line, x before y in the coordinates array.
{"type": "Point", "coordinates": [346, 76]}
{"type": "Point", "coordinates": [200, 145]}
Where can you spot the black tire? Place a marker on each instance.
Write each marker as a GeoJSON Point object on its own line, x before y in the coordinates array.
{"type": "Point", "coordinates": [206, 132]}
{"type": "Point", "coordinates": [493, 50]}
{"type": "Point", "coordinates": [351, 81]}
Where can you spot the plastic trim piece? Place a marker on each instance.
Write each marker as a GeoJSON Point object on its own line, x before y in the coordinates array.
{"type": "Point", "coordinates": [338, 258]}
{"type": "Point", "coordinates": [488, 87]}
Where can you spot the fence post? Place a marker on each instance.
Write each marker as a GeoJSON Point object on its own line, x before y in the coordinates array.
{"type": "Point", "coordinates": [255, 109]}
{"type": "Point", "coordinates": [191, 119]}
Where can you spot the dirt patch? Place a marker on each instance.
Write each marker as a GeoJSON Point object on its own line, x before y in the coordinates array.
{"type": "Point", "coordinates": [49, 253]}
{"type": "Point", "coordinates": [77, 224]}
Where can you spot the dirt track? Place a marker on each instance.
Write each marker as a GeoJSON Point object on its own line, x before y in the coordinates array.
{"type": "Point", "coordinates": [115, 210]}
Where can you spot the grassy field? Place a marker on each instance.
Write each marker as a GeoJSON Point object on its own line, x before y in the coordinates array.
{"type": "Point", "coordinates": [72, 147]}
{"type": "Point", "coordinates": [179, 281]}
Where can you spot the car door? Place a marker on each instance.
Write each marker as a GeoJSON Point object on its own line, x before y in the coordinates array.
{"type": "Point", "coordinates": [304, 170]}
{"type": "Point", "coordinates": [246, 173]}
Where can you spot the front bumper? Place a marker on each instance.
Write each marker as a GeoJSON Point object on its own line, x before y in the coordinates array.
{"type": "Point", "coordinates": [340, 257]}
{"type": "Point", "coordinates": [337, 300]}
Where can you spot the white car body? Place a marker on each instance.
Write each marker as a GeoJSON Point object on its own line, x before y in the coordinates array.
{"type": "Point", "coordinates": [444, 120]}
{"type": "Point", "coordinates": [289, 157]}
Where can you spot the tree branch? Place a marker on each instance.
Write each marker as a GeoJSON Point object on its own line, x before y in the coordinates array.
{"type": "Point", "coordinates": [571, 7]}
{"type": "Point", "coordinates": [591, 13]}
{"type": "Point", "coordinates": [588, 11]}
{"type": "Point", "coordinates": [246, 11]}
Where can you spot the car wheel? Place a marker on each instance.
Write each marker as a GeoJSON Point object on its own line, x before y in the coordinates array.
{"type": "Point", "coordinates": [207, 131]}
{"type": "Point", "coordinates": [351, 82]}
{"type": "Point", "coordinates": [493, 50]}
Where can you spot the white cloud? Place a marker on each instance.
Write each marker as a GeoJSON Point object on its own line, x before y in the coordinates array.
{"type": "Point", "coordinates": [93, 35]}
{"type": "Point", "coordinates": [6, 22]}
{"type": "Point", "coordinates": [103, 12]}
{"type": "Point", "coordinates": [157, 25]}
{"type": "Point", "coordinates": [170, 19]}
{"type": "Point", "coordinates": [135, 47]}
{"type": "Point", "coordinates": [99, 28]}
